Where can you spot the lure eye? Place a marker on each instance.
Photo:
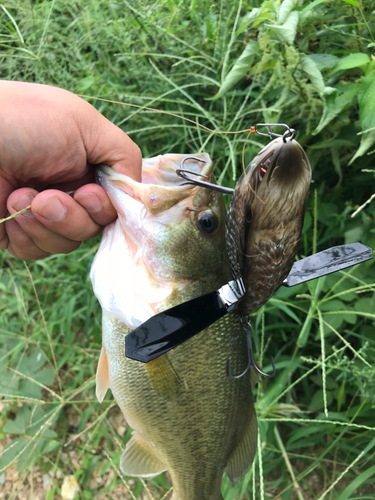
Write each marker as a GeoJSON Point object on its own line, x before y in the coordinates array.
{"type": "Point", "coordinates": [208, 221]}
{"type": "Point", "coordinates": [264, 167]}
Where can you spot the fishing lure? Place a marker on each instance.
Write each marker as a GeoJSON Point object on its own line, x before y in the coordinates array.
{"type": "Point", "coordinates": [263, 231]}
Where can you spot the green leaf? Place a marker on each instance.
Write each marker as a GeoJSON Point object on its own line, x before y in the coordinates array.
{"type": "Point", "coordinates": [265, 16]}
{"type": "Point", "coordinates": [324, 60]}
{"type": "Point", "coordinates": [310, 8]}
{"type": "Point", "coordinates": [17, 426]}
{"type": "Point", "coordinates": [37, 359]}
{"type": "Point", "coordinates": [8, 381]}
{"type": "Point", "coordinates": [30, 389]}
{"type": "Point", "coordinates": [352, 2]}
{"type": "Point", "coordinates": [354, 485]}
{"type": "Point", "coordinates": [353, 235]}
{"type": "Point", "coordinates": [266, 12]}
{"type": "Point", "coordinates": [307, 431]}
{"type": "Point", "coordinates": [329, 90]}
{"type": "Point", "coordinates": [336, 103]}
{"type": "Point", "coordinates": [334, 321]}
{"type": "Point", "coordinates": [50, 494]}
{"type": "Point", "coordinates": [85, 83]}
{"type": "Point", "coordinates": [310, 67]}
{"type": "Point", "coordinates": [366, 100]}
{"type": "Point", "coordinates": [341, 396]}
{"type": "Point", "coordinates": [367, 141]}
{"type": "Point", "coordinates": [317, 402]}
{"type": "Point", "coordinates": [51, 446]}
{"type": "Point", "coordinates": [287, 31]}
{"type": "Point", "coordinates": [9, 452]}
{"type": "Point", "coordinates": [288, 311]}
{"type": "Point", "coordinates": [45, 376]}
{"type": "Point", "coordinates": [331, 384]}
{"type": "Point", "coordinates": [285, 9]}
{"type": "Point", "coordinates": [355, 60]}
{"type": "Point", "coordinates": [239, 70]}
{"type": "Point", "coordinates": [247, 20]}
{"type": "Point", "coordinates": [332, 305]}
{"type": "Point", "coordinates": [365, 304]}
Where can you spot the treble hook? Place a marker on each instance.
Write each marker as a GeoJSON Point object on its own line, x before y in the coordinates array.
{"type": "Point", "coordinates": [251, 360]}
{"type": "Point", "coordinates": [288, 135]}
{"type": "Point", "coordinates": [182, 172]}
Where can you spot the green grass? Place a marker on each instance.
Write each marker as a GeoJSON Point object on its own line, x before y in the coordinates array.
{"type": "Point", "coordinates": [316, 425]}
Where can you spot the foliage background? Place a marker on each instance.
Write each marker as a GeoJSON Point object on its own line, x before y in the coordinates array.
{"type": "Point", "coordinates": [227, 65]}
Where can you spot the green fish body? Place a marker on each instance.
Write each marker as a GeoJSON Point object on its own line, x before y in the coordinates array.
{"type": "Point", "coordinates": [166, 247]}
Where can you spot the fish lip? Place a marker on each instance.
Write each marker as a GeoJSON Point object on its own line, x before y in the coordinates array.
{"type": "Point", "coordinates": [161, 188]}
{"type": "Point", "coordinates": [106, 169]}
{"type": "Point", "coordinates": [105, 173]}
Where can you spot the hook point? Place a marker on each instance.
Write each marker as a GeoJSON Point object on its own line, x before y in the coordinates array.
{"type": "Point", "coordinates": [251, 360]}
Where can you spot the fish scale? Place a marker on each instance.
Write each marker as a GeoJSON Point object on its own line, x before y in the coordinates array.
{"type": "Point", "coordinates": [204, 418]}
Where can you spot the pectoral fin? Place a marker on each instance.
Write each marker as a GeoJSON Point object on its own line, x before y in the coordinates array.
{"type": "Point", "coordinates": [163, 376]}
{"type": "Point", "coordinates": [241, 459]}
{"type": "Point", "coordinates": [102, 376]}
{"type": "Point", "coordinates": [138, 460]}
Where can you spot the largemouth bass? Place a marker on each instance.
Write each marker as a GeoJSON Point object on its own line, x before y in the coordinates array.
{"type": "Point", "coordinates": [166, 247]}
{"type": "Point", "coordinates": [265, 219]}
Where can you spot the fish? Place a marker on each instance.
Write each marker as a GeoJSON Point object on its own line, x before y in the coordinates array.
{"type": "Point", "coordinates": [166, 247]}
{"type": "Point", "coordinates": [265, 218]}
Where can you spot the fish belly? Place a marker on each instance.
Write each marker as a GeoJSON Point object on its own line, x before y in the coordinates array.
{"type": "Point", "coordinates": [188, 413]}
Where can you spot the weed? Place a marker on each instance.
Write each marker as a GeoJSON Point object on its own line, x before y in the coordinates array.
{"type": "Point", "coordinates": [226, 65]}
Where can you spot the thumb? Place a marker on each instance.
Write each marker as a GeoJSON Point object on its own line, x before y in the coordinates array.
{"type": "Point", "coordinates": [106, 143]}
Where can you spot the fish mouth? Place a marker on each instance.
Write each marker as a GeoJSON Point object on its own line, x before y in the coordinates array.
{"type": "Point", "coordinates": [161, 187]}
{"type": "Point", "coordinates": [155, 213]}
{"type": "Point", "coordinates": [141, 265]}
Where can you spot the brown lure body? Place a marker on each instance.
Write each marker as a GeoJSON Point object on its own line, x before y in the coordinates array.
{"type": "Point", "coordinates": [265, 218]}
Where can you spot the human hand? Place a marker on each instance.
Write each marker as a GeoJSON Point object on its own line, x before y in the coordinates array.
{"type": "Point", "coordinates": [49, 140]}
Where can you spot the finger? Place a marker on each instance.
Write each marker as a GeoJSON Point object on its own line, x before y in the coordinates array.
{"type": "Point", "coordinates": [5, 190]}
{"type": "Point", "coordinates": [106, 143]}
{"type": "Point", "coordinates": [95, 201]}
{"type": "Point", "coordinates": [21, 245]}
{"type": "Point", "coordinates": [62, 215]}
{"type": "Point", "coordinates": [42, 237]}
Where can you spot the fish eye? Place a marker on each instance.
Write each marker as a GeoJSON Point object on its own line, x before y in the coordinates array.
{"type": "Point", "coordinates": [264, 167]}
{"type": "Point", "coordinates": [208, 221]}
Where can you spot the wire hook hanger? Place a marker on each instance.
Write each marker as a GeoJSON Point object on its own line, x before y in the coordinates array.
{"type": "Point", "coordinates": [288, 135]}
{"type": "Point", "coordinates": [186, 174]}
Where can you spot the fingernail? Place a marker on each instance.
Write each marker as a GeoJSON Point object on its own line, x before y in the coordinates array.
{"type": "Point", "coordinates": [89, 201]}
{"type": "Point", "coordinates": [52, 209]}
{"type": "Point", "coordinates": [23, 202]}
